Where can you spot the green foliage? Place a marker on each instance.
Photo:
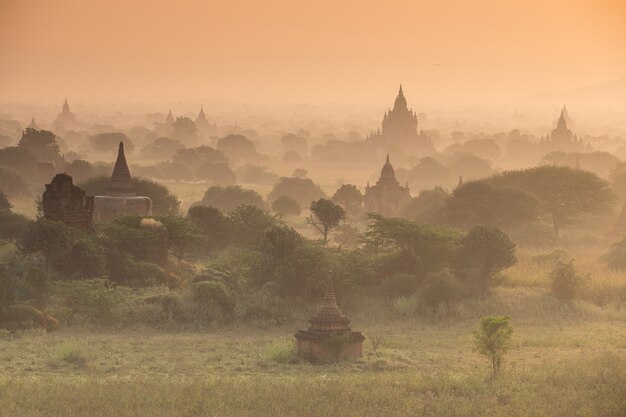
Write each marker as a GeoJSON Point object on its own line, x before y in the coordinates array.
{"type": "Point", "coordinates": [479, 203]}
{"type": "Point", "coordinates": [185, 239]}
{"type": "Point", "coordinates": [95, 299]}
{"type": "Point", "coordinates": [216, 173]}
{"type": "Point", "coordinates": [405, 306]}
{"type": "Point", "coordinates": [79, 170]}
{"type": "Point", "coordinates": [194, 157]}
{"type": "Point", "coordinates": [616, 257]}
{"type": "Point", "coordinates": [563, 193]}
{"type": "Point", "coordinates": [72, 355]}
{"type": "Point", "coordinates": [350, 198]}
{"type": "Point", "coordinates": [5, 205]}
{"type": "Point", "coordinates": [427, 206]}
{"type": "Point", "coordinates": [7, 290]}
{"type": "Point", "coordinates": [215, 226]}
{"type": "Point", "coordinates": [214, 301]}
{"type": "Point", "coordinates": [231, 197]}
{"type": "Point", "coordinates": [249, 225]}
{"type": "Point", "coordinates": [325, 217]}
{"type": "Point", "coordinates": [493, 339]}
{"type": "Point", "coordinates": [286, 206]}
{"type": "Point", "coordinates": [412, 247]}
{"type": "Point", "coordinates": [12, 226]}
{"type": "Point", "coordinates": [41, 143]}
{"type": "Point", "coordinates": [163, 202]}
{"type": "Point", "coordinates": [440, 288]}
{"type": "Point", "coordinates": [565, 281]}
{"type": "Point", "coordinates": [486, 250]}
{"type": "Point", "coordinates": [109, 142]}
{"type": "Point", "coordinates": [12, 183]}
{"type": "Point", "coordinates": [303, 190]}
{"type": "Point", "coordinates": [135, 236]}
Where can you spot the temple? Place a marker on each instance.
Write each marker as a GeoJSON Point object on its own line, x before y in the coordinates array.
{"type": "Point", "coordinates": [562, 138]}
{"type": "Point", "coordinates": [399, 136]}
{"type": "Point", "coordinates": [66, 118]}
{"type": "Point", "coordinates": [169, 120]}
{"type": "Point", "coordinates": [121, 198]}
{"type": "Point", "coordinates": [329, 336]}
{"type": "Point", "coordinates": [63, 201]}
{"type": "Point", "coordinates": [33, 124]}
{"type": "Point", "coordinates": [387, 197]}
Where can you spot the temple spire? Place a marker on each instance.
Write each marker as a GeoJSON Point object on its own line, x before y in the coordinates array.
{"type": "Point", "coordinates": [66, 106]}
{"type": "Point", "coordinates": [121, 180]}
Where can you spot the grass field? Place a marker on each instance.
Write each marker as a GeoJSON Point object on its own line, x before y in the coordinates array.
{"type": "Point", "coordinates": [567, 364]}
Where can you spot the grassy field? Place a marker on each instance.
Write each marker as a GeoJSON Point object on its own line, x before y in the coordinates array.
{"type": "Point", "coordinates": [571, 363]}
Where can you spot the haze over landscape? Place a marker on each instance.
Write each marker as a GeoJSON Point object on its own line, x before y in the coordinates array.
{"type": "Point", "coordinates": [315, 209]}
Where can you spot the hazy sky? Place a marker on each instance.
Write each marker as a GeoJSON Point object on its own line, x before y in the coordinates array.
{"type": "Point", "coordinates": [314, 51]}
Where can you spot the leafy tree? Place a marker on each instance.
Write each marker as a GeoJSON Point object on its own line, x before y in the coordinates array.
{"type": "Point", "coordinates": [79, 170]}
{"type": "Point", "coordinates": [12, 183]}
{"type": "Point", "coordinates": [249, 225]}
{"type": "Point", "coordinates": [479, 203]}
{"type": "Point", "coordinates": [173, 171]}
{"type": "Point", "coordinates": [162, 148]}
{"type": "Point", "coordinates": [215, 226]}
{"type": "Point", "coordinates": [413, 248]}
{"type": "Point", "coordinates": [470, 166]}
{"type": "Point", "coordinates": [12, 225]}
{"type": "Point", "coordinates": [231, 197]}
{"type": "Point", "coordinates": [194, 157]}
{"type": "Point", "coordinates": [487, 250]}
{"type": "Point", "coordinates": [163, 202]}
{"type": "Point", "coordinates": [109, 142]}
{"type": "Point", "coordinates": [295, 143]}
{"type": "Point", "coordinates": [42, 144]}
{"type": "Point", "coordinates": [237, 147]}
{"type": "Point", "coordinates": [185, 239]}
{"type": "Point", "coordinates": [428, 171]}
{"type": "Point", "coordinates": [256, 174]}
{"type": "Point", "coordinates": [325, 217]}
{"type": "Point", "coordinates": [565, 281]}
{"type": "Point", "coordinates": [185, 130]}
{"type": "Point", "coordinates": [217, 173]}
{"type": "Point", "coordinates": [563, 193]}
{"type": "Point", "coordinates": [493, 339]}
{"type": "Point", "coordinates": [20, 159]}
{"type": "Point", "coordinates": [350, 198]}
{"type": "Point", "coordinates": [303, 190]}
{"type": "Point", "coordinates": [427, 206]}
{"type": "Point", "coordinates": [286, 206]}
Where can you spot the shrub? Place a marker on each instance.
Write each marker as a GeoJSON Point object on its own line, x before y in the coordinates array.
{"type": "Point", "coordinates": [565, 281]}
{"type": "Point", "coordinates": [72, 355]}
{"type": "Point", "coordinates": [213, 300]}
{"type": "Point", "coordinates": [405, 306]}
{"type": "Point", "coordinates": [262, 305]}
{"type": "Point", "coordinates": [441, 288]}
{"type": "Point", "coordinates": [286, 206]}
{"type": "Point", "coordinates": [171, 307]}
{"type": "Point", "coordinates": [96, 299]}
{"type": "Point", "coordinates": [493, 339]}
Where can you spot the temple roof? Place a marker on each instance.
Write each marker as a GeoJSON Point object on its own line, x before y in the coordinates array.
{"type": "Point", "coordinates": [400, 102]}
{"type": "Point", "coordinates": [329, 317]}
{"type": "Point", "coordinates": [201, 115]}
{"type": "Point", "coordinates": [562, 123]}
{"type": "Point", "coordinates": [170, 118]}
{"type": "Point", "coordinates": [388, 173]}
{"type": "Point", "coordinates": [120, 180]}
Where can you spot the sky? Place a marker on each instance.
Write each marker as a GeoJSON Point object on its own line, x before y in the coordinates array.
{"type": "Point", "coordinates": [316, 51]}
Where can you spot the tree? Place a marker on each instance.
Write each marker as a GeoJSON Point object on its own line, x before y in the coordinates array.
{"type": "Point", "coordinates": [194, 157]}
{"type": "Point", "coordinates": [256, 174]}
{"type": "Point", "coordinates": [249, 225]}
{"type": "Point", "coordinates": [173, 171]}
{"type": "Point", "coordinates": [427, 206]}
{"type": "Point", "coordinates": [19, 159]}
{"type": "Point", "coordinates": [487, 250]}
{"type": "Point", "coordinates": [237, 147]}
{"type": "Point", "coordinates": [349, 197]}
{"type": "Point", "coordinates": [185, 130]}
{"type": "Point", "coordinates": [42, 144]}
{"type": "Point", "coordinates": [286, 206]}
{"type": "Point", "coordinates": [185, 239]}
{"type": "Point", "coordinates": [563, 193]}
{"type": "Point", "coordinates": [79, 170]}
{"type": "Point", "coordinates": [303, 190]}
{"type": "Point", "coordinates": [109, 142]}
{"type": "Point", "coordinates": [294, 143]}
{"type": "Point", "coordinates": [325, 217]}
{"type": "Point", "coordinates": [565, 281]}
{"type": "Point", "coordinates": [231, 197]}
{"type": "Point", "coordinates": [162, 148]}
{"type": "Point", "coordinates": [479, 203]}
{"type": "Point", "coordinates": [163, 202]}
{"type": "Point", "coordinates": [5, 204]}
{"type": "Point", "coordinates": [12, 183]}
{"type": "Point", "coordinates": [493, 339]}
{"type": "Point", "coordinates": [215, 226]}
{"type": "Point", "coordinates": [216, 173]}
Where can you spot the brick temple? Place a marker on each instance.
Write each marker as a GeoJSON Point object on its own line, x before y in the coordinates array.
{"type": "Point", "coordinates": [63, 201]}
{"type": "Point", "coordinates": [329, 335]}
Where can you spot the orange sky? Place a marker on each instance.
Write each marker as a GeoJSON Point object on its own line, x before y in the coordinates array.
{"type": "Point", "coordinates": [314, 51]}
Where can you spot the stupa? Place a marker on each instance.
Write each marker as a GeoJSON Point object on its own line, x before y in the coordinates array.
{"type": "Point", "coordinates": [329, 336]}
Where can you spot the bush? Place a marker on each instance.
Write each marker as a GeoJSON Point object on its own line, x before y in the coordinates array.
{"type": "Point", "coordinates": [171, 307]}
{"type": "Point", "coordinates": [72, 355]}
{"type": "Point", "coordinates": [263, 305]}
{"type": "Point", "coordinates": [213, 300]}
{"type": "Point", "coordinates": [565, 281]}
{"type": "Point", "coordinates": [493, 339]}
{"type": "Point", "coordinates": [405, 306]}
{"type": "Point", "coordinates": [286, 206]}
{"type": "Point", "coordinates": [97, 299]}
{"type": "Point", "coordinates": [441, 288]}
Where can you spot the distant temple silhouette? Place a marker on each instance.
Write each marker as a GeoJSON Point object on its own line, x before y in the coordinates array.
{"type": "Point", "coordinates": [387, 197]}
{"type": "Point", "coordinates": [202, 123]}
{"type": "Point", "coordinates": [121, 198]}
{"type": "Point", "coordinates": [66, 118]}
{"type": "Point", "coordinates": [562, 138]}
{"type": "Point", "coordinates": [399, 136]}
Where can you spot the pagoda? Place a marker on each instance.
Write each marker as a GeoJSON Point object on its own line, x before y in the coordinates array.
{"type": "Point", "coordinates": [121, 198]}
{"type": "Point", "coordinates": [562, 138]}
{"type": "Point", "coordinates": [399, 135]}
{"type": "Point", "coordinates": [66, 118]}
{"type": "Point", "coordinates": [387, 196]}
{"type": "Point", "coordinates": [329, 336]}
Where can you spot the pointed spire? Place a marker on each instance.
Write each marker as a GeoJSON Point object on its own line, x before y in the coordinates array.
{"type": "Point", "coordinates": [400, 93]}
{"type": "Point", "coordinates": [460, 181]}
{"type": "Point", "coordinates": [400, 103]}
{"type": "Point", "coordinates": [170, 118]}
{"type": "Point", "coordinates": [387, 161]}
{"type": "Point", "coordinates": [120, 180]}
{"type": "Point", "coordinates": [329, 317]}
{"type": "Point", "coordinates": [33, 124]}
{"type": "Point", "coordinates": [66, 106]}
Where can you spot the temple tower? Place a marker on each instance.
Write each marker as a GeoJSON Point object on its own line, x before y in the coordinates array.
{"type": "Point", "coordinates": [387, 196]}
{"type": "Point", "coordinates": [329, 336]}
{"type": "Point", "coordinates": [120, 180]}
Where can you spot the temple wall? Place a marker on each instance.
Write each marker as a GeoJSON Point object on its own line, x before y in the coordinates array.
{"type": "Point", "coordinates": [107, 208]}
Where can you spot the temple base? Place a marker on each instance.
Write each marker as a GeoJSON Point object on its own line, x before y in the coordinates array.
{"type": "Point", "coordinates": [320, 346]}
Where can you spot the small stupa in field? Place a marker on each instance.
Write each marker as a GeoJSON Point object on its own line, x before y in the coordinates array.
{"type": "Point", "coordinates": [329, 336]}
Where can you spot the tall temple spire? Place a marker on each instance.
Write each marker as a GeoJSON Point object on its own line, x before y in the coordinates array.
{"type": "Point", "coordinates": [66, 106]}
{"type": "Point", "coordinates": [400, 102]}
{"type": "Point", "coordinates": [120, 180]}
{"type": "Point", "coordinates": [33, 124]}
{"type": "Point", "coordinates": [329, 317]}
{"type": "Point", "coordinates": [170, 118]}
